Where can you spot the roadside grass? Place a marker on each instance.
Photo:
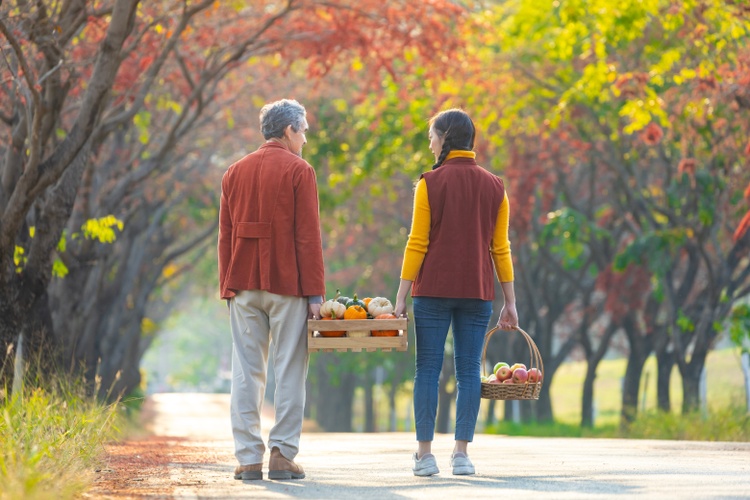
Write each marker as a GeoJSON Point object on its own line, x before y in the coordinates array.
{"type": "Point", "coordinates": [726, 424]}
{"type": "Point", "coordinates": [724, 388]}
{"type": "Point", "coordinates": [725, 419]}
{"type": "Point", "coordinates": [50, 441]}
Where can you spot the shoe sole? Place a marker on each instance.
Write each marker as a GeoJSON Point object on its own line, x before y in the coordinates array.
{"type": "Point", "coordinates": [463, 471]}
{"type": "Point", "coordinates": [430, 471]}
{"type": "Point", "coordinates": [249, 475]}
{"type": "Point", "coordinates": [284, 474]}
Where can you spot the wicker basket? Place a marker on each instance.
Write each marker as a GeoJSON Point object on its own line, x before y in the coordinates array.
{"type": "Point", "coordinates": [514, 391]}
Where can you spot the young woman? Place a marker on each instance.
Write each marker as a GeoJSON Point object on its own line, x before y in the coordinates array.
{"type": "Point", "coordinates": [458, 242]}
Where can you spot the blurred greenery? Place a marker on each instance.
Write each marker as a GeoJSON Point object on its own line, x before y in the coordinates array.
{"type": "Point", "coordinates": [193, 351]}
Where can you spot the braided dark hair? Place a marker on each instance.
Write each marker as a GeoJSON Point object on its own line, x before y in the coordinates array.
{"type": "Point", "coordinates": [457, 131]}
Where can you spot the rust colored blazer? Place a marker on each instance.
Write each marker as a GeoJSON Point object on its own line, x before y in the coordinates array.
{"type": "Point", "coordinates": [269, 225]}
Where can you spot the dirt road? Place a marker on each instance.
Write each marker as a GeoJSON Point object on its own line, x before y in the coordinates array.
{"type": "Point", "coordinates": [190, 455]}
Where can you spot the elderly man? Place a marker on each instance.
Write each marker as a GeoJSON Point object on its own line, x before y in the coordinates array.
{"type": "Point", "coordinates": [271, 274]}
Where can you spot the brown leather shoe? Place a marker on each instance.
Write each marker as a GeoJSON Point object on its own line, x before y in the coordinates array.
{"type": "Point", "coordinates": [249, 472]}
{"type": "Point", "coordinates": [279, 467]}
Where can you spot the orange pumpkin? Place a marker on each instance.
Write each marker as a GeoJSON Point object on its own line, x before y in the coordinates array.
{"type": "Point", "coordinates": [335, 333]}
{"type": "Point", "coordinates": [355, 312]}
{"type": "Point", "coordinates": [367, 300]}
{"type": "Point", "coordinates": [385, 333]}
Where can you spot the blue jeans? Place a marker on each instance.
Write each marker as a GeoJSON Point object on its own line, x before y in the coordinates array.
{"type": "Point", "coordinates": [432, 317]}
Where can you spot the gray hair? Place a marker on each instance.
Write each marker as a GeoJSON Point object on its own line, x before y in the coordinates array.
{"type": "Point", "coordinates": [275, 117]}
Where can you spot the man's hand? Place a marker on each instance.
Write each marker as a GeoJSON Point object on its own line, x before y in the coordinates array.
{"type": "Point", "coordinates": [314, 311]}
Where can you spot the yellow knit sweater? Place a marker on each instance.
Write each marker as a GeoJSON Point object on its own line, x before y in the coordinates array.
{"type": "Point", "coordinates": [419, 237]}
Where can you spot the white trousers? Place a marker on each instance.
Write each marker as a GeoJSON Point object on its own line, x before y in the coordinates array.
{"type": "Point", "coordinates": [257, 318]}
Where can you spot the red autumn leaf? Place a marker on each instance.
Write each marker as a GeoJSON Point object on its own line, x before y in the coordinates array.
{"type": "Point", "coordinates": [742, 228]}
{"type": "Point", "coordinates": [687, 165]}
{"type": "Point", "coordinates": [652, 134]}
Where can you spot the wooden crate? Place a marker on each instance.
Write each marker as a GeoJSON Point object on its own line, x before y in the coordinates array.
{"type": "Point", "coordinates": [316, 342]}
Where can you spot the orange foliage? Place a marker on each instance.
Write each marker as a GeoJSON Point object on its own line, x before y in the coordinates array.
{"type": "Point", "coordinates": [742, 228]}
{"type": "Point", "coordinates": [687, 166]}
{"type": "Point", "coordinates": [652, 134]}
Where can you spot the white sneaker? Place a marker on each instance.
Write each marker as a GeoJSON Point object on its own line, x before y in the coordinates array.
{"type": "Point", "coordinates": [461, 464]}
{"type": "Point", "coordinates": [425, 466]}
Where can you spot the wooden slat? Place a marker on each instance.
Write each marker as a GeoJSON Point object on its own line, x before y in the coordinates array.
{"type": "Point", "coordinates": [320, 325]}
{"type": "Point", "coordinates": [316, 342]}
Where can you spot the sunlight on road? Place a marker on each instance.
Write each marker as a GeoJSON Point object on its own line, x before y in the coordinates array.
{"type": "Point", "coordinates": [197, 416]}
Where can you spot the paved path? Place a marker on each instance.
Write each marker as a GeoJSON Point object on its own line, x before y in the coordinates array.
{"type": "Point", "coordinates": [377, 466]}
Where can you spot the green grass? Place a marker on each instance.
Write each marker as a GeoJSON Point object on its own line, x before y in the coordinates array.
{"type": "Point", "coordinates": [727, 420]}
{"type": "Point", "coordinates": [49, 443]}
{"type": "Point", "coordinates": [725, 387]}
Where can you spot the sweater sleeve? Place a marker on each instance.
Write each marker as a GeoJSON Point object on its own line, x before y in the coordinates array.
{"type": "Point", "coordinates": [419, 237]}
{"type": "Point", "coordinates": [500, 245]}
{"type": "Point", "coordinates": [307, 238]}
{"type": "Point", "coordinates": [225, 240]}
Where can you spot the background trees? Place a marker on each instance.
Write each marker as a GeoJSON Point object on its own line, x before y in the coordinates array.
{"type": "Point", "coordinates": [115, 108]}
{"type": "Point", "coordinates": [621, 131]}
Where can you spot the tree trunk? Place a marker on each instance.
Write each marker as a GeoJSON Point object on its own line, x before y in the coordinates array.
{"type": "Point", "coordinates": [490, 418]}
{"type": "Point", "coordinates": [594, 357]}
{"type": "Point", "coordinates": [369, 402]}
{"type": "Point", "coordinates": [665, 361]}
{"type": "Point", "coordinates": [587, 401]}
{"type": "Point", "coordinates": [334, 404]}
{"type": "Point", "coordinates": [691, 378]}
{"type": "Point", "coordinates": [640, 349]}
{"type": "Point", "coordinates": [543, 406]}
{"type": "Point", "coordinates": [37, 195]}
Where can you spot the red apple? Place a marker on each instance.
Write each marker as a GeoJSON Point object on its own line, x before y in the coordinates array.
{"type": "Point", "coordinates": [495, 380]}
{"type": "Point", "coordinates": [504, 373]}
{"type": "Point", "coordinates": [535, 376]}
{"type": "Point", "coordinates": [508, 381]}
{"type": "Point", "coordinates": [520, 375]}
{"type": "Point", "coordinates": [498, 366]}
{"type": "Point", "coordinates": [489, 379]}
{"type": "Point", "coordinates": [517, 365]}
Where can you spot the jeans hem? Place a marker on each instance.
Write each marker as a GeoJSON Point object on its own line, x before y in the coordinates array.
{"type": "Point", "coordinates": [425, 434]}
{"type": "Point", "coordinates": [464, 434]}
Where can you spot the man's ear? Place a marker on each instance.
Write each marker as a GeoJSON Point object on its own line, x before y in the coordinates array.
{"type": "Point", "coordinates": [288, 131]}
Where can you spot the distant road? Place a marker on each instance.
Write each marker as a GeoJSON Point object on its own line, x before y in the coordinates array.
{"type": "Point", "coordinates": [193, 439]}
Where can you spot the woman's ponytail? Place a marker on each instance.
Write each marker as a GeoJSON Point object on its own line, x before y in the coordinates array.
{"type": "Point", "coordinates": [443, 154]}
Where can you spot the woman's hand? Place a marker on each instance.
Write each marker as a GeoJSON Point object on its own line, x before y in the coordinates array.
{"type": "Point", "coordinates": [508, 319]}
{"type": "Point", "coordinates": [404, 287]}
{"type": "Point", "coordinates": [400, 309]}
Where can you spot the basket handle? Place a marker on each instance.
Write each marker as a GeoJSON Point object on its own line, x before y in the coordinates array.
{"type": "Point", "coordinates": [535, 359]}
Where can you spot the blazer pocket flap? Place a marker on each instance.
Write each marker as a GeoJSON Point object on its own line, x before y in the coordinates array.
{"type": "Point", "coordinates": [254, 230]}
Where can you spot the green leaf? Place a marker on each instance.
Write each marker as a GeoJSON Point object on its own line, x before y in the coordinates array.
{"type": "Point", "coordinates": [59, 269]}
{"type": "Point", "coordinates": [685, 323]}
{"type": "Point", "coordinates": [142, 122]}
